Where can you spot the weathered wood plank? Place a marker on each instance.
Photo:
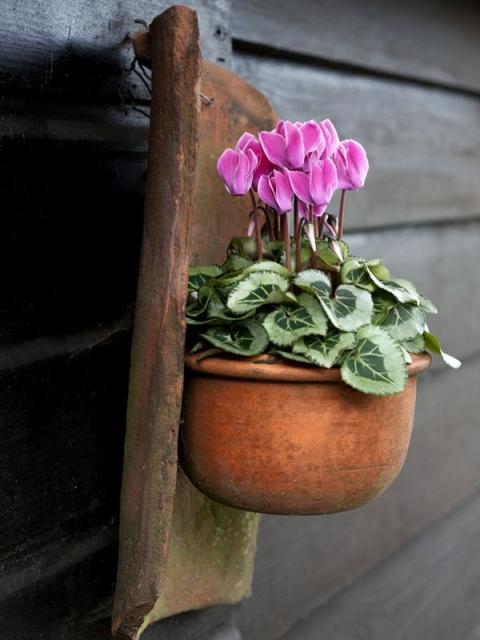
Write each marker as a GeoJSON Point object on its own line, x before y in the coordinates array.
{"type": "Point", "coordinates": [81, 47]}
{"type": "Point", "coordinates": [429, 589]}
{"type": "Point", "coordinates": [423, 143]}
{"type": "Point", "coordinates": [303, 561]}
{"type": "Point", "coordinates": [425, 40]}
{"type": "Point", "coordinates": [61, 430]}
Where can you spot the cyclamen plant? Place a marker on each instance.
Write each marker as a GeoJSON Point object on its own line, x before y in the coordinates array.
{"type": "Point", "coordinates": [303, 296]}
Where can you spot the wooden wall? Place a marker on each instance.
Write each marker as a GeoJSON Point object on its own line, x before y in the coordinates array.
{"type": "Point", "coordinates": [403, 79]}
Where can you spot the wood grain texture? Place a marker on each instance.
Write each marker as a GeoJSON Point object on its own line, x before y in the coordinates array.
{"type": "Point", "coordinates": [418, 40]}
{"type": "Point", "coordinates": [156, 377]}
{"type": "Point", "coordinates": [81, 48]}
{"type": "Point", "coordinates": [423, 143]}
{"type": "Point", "coordinates": [428, 590]}
{"type": "Point", "coordinates": [302, 562]}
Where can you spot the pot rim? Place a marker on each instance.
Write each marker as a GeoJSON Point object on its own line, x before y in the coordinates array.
{"type": "Point", "coordinates": [269, 367]}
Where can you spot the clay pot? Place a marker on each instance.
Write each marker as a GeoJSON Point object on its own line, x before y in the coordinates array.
{"type": "Point", "coordinates": [269, 436]}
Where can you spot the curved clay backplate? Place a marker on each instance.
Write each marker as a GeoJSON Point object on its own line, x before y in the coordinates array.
{"type": "Point", "coordinates": [179, 550]}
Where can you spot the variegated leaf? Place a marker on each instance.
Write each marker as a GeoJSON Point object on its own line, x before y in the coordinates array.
{"type": "Point", "coordinates": [258, 289]}
{"type": "Point", "coordinates": [244, 338]}
{"type": "Point", "coordinates": [403, 290]}
{"type": "Point", "coordinates": [324, 352]}
{"type": "Point", "coordinates": [199, 276]}
{"type": "Point", "coordinates": [414, 345]}
{"type": "Point", "coordinates": [403, 321]}
{"type": "Point", "coordinates": [356, 272]}
{"type": "Point", "coordinates": [376, 364]}
{"type": "Point", "coordinates": [286, 324]}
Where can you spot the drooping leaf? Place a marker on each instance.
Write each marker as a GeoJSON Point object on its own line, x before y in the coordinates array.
{"type": "Point", "coordinates": [425, 304]}
{"type": "Point", "coordinates": [324, 351]}
{"type": "Point", "coordinates": [263, 265]}
{"type": "Point", "coordinates": [432, 343]}
{"type": "Point", "coordinates": [198, 301]}
{"type": "Point", "coordinates": [380, 271]}
{"type": "Point", "coordinates": [401, 289]}
{"type": "Point", "coordinates": [382, 303]}
{"type": "Point", "coordinates": [257, 289]}
{"type": "Point", "coordinates": [376, 364]}
{"type": "Point", "coordinates": [286, 324]}
{"type": "Point", "coordinates": [292, 356]}
{"type": "Point", "coordinates": [244, 338]}
{"type": "Point", "coordinates": [199, 276]}
{"type": "Point", "coordinates": [403, 321]}
{"type": "Point", "coordinates": [235, 263]}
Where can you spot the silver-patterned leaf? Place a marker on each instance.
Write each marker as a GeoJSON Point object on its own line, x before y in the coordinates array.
{"type": "Point", "coordinates": [286, 324]}
{"type": "Point", "coordinates": [401, 289]}
{"type": "Point", "coordinates": [356, 272]}
{"type": "Point", "coordinates": [258, 289]}
{"type": "Point", "coordinates": [376, 364]}
{"type": "Point", "coordinates": [325, 351]}
{"type": "Point", "coordinates": [244, 338]}
{"type": "Point", "coordinates": [199, 276]}
{"type": "Point", "coordinates": [414, 345]}
{"type": "Point", "coordinates": [403, 321]}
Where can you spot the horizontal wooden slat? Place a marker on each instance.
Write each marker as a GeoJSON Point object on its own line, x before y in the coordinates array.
{"type": "Point", "coordinates": [424, 40]}
{"type": "Point", "coordinates": [81, 48]}
{"type": "Point", "coordinates": [303, 561]}
{"type": "Point", "coordinates": [423, 143]}
{"type": "Point", "coordinates": [61, 429]}
{"type": "Point", "coordinates": [429, 590]}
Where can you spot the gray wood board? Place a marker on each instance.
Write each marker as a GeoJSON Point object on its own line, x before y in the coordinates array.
{"type": "Point", "coordinates": [428, 590]}
{"type": "Point", "coordinates": [423, 143]}
{"type": "Point", "coordinates": [302, 561]}
{"type": "Point", "coordinates": [81, 47]}
{"type": "Point", "coordinates": [427, 40]}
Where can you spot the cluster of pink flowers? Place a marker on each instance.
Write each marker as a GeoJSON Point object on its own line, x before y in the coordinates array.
{"type": "Point", "coordinates": [305, 159]}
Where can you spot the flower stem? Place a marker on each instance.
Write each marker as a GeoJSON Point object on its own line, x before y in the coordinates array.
{"type": "Point", "coordinates": [258, 230]}
{"type": "Point", "coordinates": [297, 236]}
{"type": "Point", "coordinates": [341, 215]}
{"type": "Point", "coordinates": [286, 240]}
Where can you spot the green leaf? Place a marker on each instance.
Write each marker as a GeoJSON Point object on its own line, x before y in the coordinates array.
{"type": "Point", "coordinates": [245, 338]}
{"type": "Point", "coordinates": [415, 345]}
{"type": "Point", "coordinates": [292, 356]}
{"type": "Point", "coordinates": [263, 265]}
{"type": "Point", "coordinates": [355, 272]}
{"type": "Point", "coordinates": [324, 352]}
{"type": "Point", "coordinates": [432, 343]}
{"type": "Point", "coordinates": [197, 302]}
{"type": "Point", "coordinates": [199, 276]}
{"type": "Point", "coordinates": [349, 309]}
{"type": "Point", "coordinates": [235, 263]}
{"type": "Point", "coordinates": [376, 364]}
{"type": "Point", "coordinates": [406, 355]}
{"type": "Point", "coordinates": [258, 289]}
{"type": "Point", "coordinates": [244, 246]}
{"type": "Point", "coordinates": [403, 321]}
{"type": "Point", "coordinates": [274, 250]}
{"type": "Point", "coordinates": [379, 270]}
{"type": "Point", "coordinates": [286, 324]}
{"type": "Point", "coordinates": [403, 290]}
{"type": "Point", "coordinates": [425, 304]}
{"type": "Point", "coordinates": [382, 303]}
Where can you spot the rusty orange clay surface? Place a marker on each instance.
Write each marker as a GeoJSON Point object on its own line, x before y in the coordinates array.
{"type": "Point", "coordinates": [269, 436]}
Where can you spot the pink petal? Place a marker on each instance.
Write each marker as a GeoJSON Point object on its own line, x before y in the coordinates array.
{"type": "Point", "coordinates": [242, 176]}
{"type": "Point", "coordinates": [295, 150]}
{"type": "Point", "coordinates": [357, 163]}
{"type": "Point", "coordinates": [331, 137]}
{"type": "Point", "coordinates": [265, 191]}
{"type": "Point", "coordinates": [319, 209]}
{"type": "Point", "coordinates": [299, 183]}
{"type": "Point", "coordinates": [323, 181]}
{"type": "Point", "coordinates": [247, 140]}
{"type": "Point", "coordinates": [273, 145]}
{"type": "Point", "coordinates": [302, 208]}
{"type": "Point", "coordinates": [313, 139]}
{"type": "Point", "coordinates": [283, 191]}
{"type": "Point", "coordinates": [226, 168]}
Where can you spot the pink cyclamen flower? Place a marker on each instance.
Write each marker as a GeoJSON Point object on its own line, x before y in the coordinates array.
{"type": "Point", "coordinates": [275, 190]}
{"type": "Point", "coordinates": [352, 164]}
{"type": "Point", "coordinates": [249, 141]}
{"type": "Point", "coordinates": [284, 147]}
{"type": "Point", "coordinates": [236, 168]}
{"type": "Point", "coordinates": [331, 138]}
{"type": "Point", "coordinates": [318, 185]}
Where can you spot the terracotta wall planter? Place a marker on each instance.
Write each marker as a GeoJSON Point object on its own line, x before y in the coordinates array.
{"type": "Point", "coordinates": [268, 436]}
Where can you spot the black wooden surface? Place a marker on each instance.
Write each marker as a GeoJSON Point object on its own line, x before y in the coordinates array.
{"type": "Point", "coordinates": [401, 77]}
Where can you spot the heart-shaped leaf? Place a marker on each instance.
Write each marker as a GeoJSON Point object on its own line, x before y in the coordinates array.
{"type": "Point", "coordinates": [286, 324]}
{"type": "Point", "coordinates": [403, 321]}
{"type": "Point", "coordinates": [376, 364]}
{"type": "Point", "coordinates": [257, 289]}
{"type": "Point", "coordinates": [415, 345]}
{"type": "Point", "coordinates": [245, 338]}
{"type": "Point", "coordinates": [324, 352]}
{"type": "Point", "coordinates": [401, 289]}
{"type": "Point", "coordinates": [199, 276]}
{"type": "Point", "coordinates": [356, 272]}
